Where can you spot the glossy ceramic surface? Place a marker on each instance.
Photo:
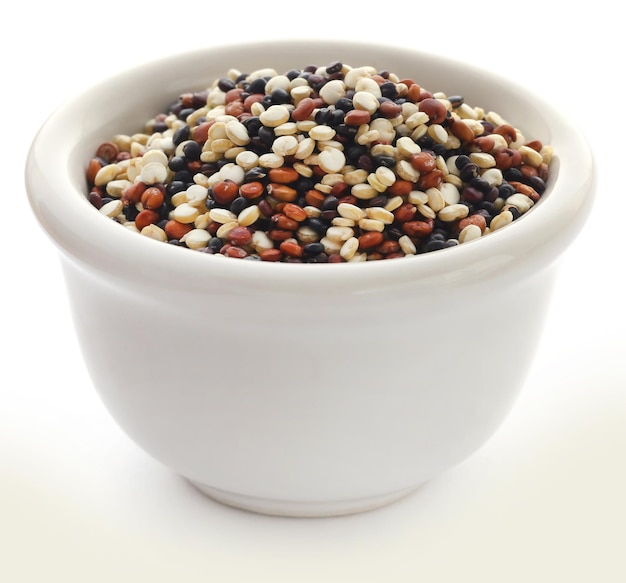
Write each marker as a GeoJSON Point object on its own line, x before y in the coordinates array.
{"type": "Point", "coordinates": [304, 389]}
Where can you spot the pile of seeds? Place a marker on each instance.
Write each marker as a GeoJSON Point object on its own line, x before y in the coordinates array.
{"type": "Point", "coordinates": [323, 164]}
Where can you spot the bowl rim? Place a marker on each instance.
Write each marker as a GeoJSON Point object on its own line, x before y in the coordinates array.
{"type": "Point", "coordinates": [98, 243]}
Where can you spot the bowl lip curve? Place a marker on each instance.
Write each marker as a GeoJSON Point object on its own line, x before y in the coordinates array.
{"type": "Point", "coordinates": [106, 240]}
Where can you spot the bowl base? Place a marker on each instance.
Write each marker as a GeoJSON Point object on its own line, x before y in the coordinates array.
{"type": "Point", "coordinates": [301, 509]}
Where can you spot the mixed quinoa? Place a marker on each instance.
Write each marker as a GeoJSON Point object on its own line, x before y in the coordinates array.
{"type": "Point", "coordinates": [324, 164]}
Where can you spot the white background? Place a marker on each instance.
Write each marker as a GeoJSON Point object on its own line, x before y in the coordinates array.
{"type": "Point", "coordinates": [543, 501]}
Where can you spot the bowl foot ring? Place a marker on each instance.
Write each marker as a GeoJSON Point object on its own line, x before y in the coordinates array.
{"type": "Point", "coordinates": [301, 509]}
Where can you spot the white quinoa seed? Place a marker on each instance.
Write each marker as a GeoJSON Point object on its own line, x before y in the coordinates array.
{"type": "Point", "coordinates": [185, 213]}
{"type": "Point", "coordinates": [196, 195]}
{"type": "Point", "coordinates": [349, 248]}
{"type": "Point", "coordinates": [307, 235]}
{"type": "Point", "coordinates": [299, 92]}
{"type": "Point", "coordinates": [233, 74]}
{"type": "Point", "coordinates": [271, 161]}
{"type": "Point", "coordinates": [417, 197]}
{"type": "Point", "coordinates": [426, 211]}
{"type": "Point", "coordinates": [419, 132]}
{"type": "Point", "coordinates": [302, 169]}
{"type": "Point", "coordinates": [364, 191]}
{"type": "Point", "coordinates": [493, 176]}
{"type": "Point", "coordinates": [407, 147]}
{"type": "Point", "coordinates": [482, 159]}
{"type": "Point", "coordinates": [373, 181]}
{"type": "Point", "coordinates": [385, 175]}
{"type": "Point", "coordinates": [416, 119]}
{"type": "Point", "coordinates": [352, 77]}
{"type": "Point", "coordinates": [322, 133]}
{"type": "Point", "coordinates": [393, 203]}
{"type": "Point", "coordinates": [248, 216]}
{"type": "Point", "coordinates": [405, 171]}
{"type": "Point", "coordinates": [358, 258]}
{"type": "Point", "coordinates": [232, 153]}
{"type": "Point", "coordinates": [312, 212]}
{"type": "Point", "coordinates": [365, 101]}
{"type": "Point", "coordinates": [407, 246]}
{"type": "Point", "coordinates": [155, 156]}
{"type": "Point", "coordinates": [222, 216]}
{"type": "Point", "coordinates": [202, 221]}
{"type": "Point", "coordinates": [330, 245]}
{"type": "Point", "coordinates": [339, 233]}
{"type": "Point", "coordinates": [153, 173]}
{"type": "Point", "coordinates": [106, 174]}
{"type": "Point", "coordinates": [530, 156]}
{"type": "Point", "coordinates": [286, 129]}
{"type": "Point", "coordinates": [247, 159]}
{"type": "Point", "coordinates": [285, 145]}
{"type": "Point", "coordinates": [546, 154]}
{"type": "Point", "coordinates": [179, 198]}
{"type": "Point", "coordinates": [154, 232]}
{"type": "Point", "coordinates": [277, 82]}
{"type": "Point", "coordinates": [261, 242]}
{"type": "Point", "coordinates": [438, 133]}
{"type": "Point", "coordinates": [221, 145]}
{"type": "Point", "coordinates": [499, 142]}
{"type": "Point", "coordinates": [343, 222]}
{"type": "Point", "coordinates": [371, 225]}
{"type": "Point", "coordinates": [325, 188]}
{"type": "Point", "coordinates": [452, 143]}
{"type": "Point", "coordinates": [520, 201]}
{"type": "Point", "coordinates": [112, 208]}
{"type": "Point", "coordinates": [367, 137]}
{"type": "Point", "coordinates": [384, 150]}
{"type": "Point", "coordinates": [453, 212]}
{"type": "Point", "coordinates": [380, 214]}
{"type": "Point", "coordinates": [357, 176]}
{"type": "Point", "coordinates": [130, 225]}
{"type": "Point", "coordinates": [226, 228]}
{"type": "Point", "coordinates": [216, 132]}
{"type": "Point", "coordinates": [351, 211]}
{"type": "Point", "coordinates": [117, 187]}
{"type": "Point", "coordinates": [229, 171]}
{"type": "Point", "coordinates": [312, 160]}
{"type": "Point", "coordinates": [501, 220]}
{"type": "Point", "coordinates": [332, 160]}
{"type": "Point", "coordinates": [436, 201]}
{"type": "Point", "coordinates": [369, 85]}
{"type": "Point", "coordinates": [257, 109]}
{"type": "Point", "coordinates": [264, 72]}
{"type": "Point", "coordinates": [274, 116]}
{"type": "Point", "coordinates": [450, 193]}
{"type": "Point", "coordinates": [201, 179]}
{"type": "Point", "coordinates": [306, 125]}
{"type": "Point", "coordinates": [237, 133]}
{"type": "Point", "coordinates": [210, 157]}
{"type": "Point", "coordinates": [332, 91]}
{"type": "Point", "coordinates": [196, 238]}
{"type": "Point", "coordinates": [332, 178]}
{"type": "Point", "coordinates": [469, 233]}
{"type": "Point", "coordinates": [385, 129]}
{"type": "Point", "coordinates": [306, 147]}
{"type": "Point", "coordinates": [454, 180]}
{"type": "Point", "coordinates": [495, 118]}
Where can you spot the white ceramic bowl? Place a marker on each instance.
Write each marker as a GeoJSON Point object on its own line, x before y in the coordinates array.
{"type": "Point", "coordinates": [304, 389]}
